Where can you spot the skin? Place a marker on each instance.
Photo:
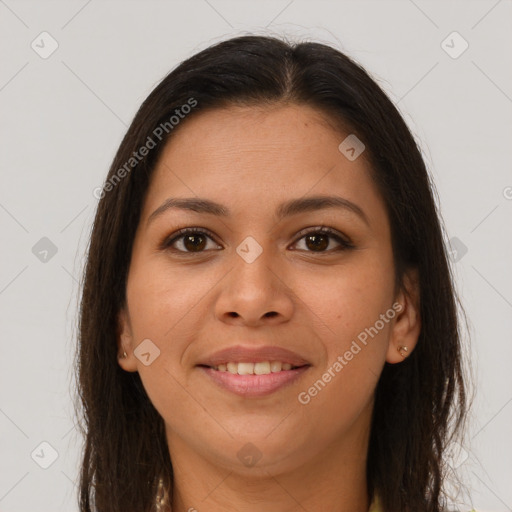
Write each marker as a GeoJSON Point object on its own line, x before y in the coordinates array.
{"type": "Point", "coordinates": [313, 455]}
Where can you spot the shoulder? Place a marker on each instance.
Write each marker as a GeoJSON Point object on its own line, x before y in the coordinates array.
{"type": "Point", "coordinates": [376, 507]}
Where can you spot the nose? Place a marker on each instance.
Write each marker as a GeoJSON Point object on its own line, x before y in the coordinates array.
{"type": "Point", "coordinates": [255, 293]}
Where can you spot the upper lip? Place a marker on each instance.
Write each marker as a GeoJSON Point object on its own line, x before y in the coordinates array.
{"type": "Point", "coordinates": [241, 354]}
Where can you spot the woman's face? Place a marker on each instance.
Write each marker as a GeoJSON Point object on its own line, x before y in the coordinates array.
{"type": "Point", "coordinates": [263, 277]}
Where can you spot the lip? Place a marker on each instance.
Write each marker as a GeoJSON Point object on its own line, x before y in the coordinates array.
{"type": "Point", "coordinates": [241, 354]}
{"type": "Point", "coordinates": [253, 385]}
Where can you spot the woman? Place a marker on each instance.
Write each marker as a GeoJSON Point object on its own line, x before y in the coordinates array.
{"type": "Point", "coordinates": [268, 319]}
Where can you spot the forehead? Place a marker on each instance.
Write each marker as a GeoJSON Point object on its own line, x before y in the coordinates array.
{"type": "Point", "coordinates": [287, 130]}
{"type": "Point", "coordinates": [243, 155]}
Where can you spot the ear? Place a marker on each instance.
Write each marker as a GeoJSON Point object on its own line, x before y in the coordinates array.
{"type": "Point", "coordinates": [125, 342]}
{"type": "Point", "coordinates": [407, 323]}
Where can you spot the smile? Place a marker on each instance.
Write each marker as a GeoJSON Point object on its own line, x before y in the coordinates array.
{"type": "Point", "coordinates": [244, 380]}
{"type": "Point", "coordinates": [259, 368]}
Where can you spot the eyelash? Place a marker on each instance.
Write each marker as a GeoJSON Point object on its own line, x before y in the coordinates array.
{"type": "Point", "coordinates": [169, 241]}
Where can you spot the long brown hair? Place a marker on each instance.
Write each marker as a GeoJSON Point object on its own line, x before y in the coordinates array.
{"type": "Point", "coordinates": [419, 403]}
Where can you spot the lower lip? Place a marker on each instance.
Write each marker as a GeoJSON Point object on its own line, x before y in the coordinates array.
{"type": "Point", "coordinates": [254, 385]}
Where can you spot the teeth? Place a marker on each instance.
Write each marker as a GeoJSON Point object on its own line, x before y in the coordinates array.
{"type": "Point", "coordinates": [275, 366]}
{"type": "Point", "coordinates": [245, 368]}
{"type": "Point", "coordinates": [261, 368]}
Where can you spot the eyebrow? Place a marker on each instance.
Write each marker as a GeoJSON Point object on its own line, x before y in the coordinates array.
{"type": "Point", "coordinates": [287, 209]}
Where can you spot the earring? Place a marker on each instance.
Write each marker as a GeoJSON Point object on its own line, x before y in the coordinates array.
{"type": "Point", "coordinates": [402, 350]}
{"type": "Point", "coordinates": [124, 355]}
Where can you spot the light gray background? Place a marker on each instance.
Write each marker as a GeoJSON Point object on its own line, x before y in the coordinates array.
{"type": "Point", "coordinates": [63, 117]}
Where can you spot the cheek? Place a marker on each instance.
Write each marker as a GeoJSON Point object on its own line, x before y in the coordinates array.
{"type": "Point", "coordinates": [161, 303]}
{"type": "Point", "coordinates": [347, 298]}
{"type": "Point", "coordinates": [167, 306]}
{"type": "Point", "coordinates": [162, 298]}
{"type": "Point", "coordinates": [355, 340]}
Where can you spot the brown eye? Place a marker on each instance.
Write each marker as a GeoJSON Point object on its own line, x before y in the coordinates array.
{"type": "Point", "coordinates": [194, 242]}
{"type": "Point", "coordinates": [190, 241]}
{"type": "Point", "coordinates": [320, 239]}
{"type": "Point", "coordinates": [317, 242]}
